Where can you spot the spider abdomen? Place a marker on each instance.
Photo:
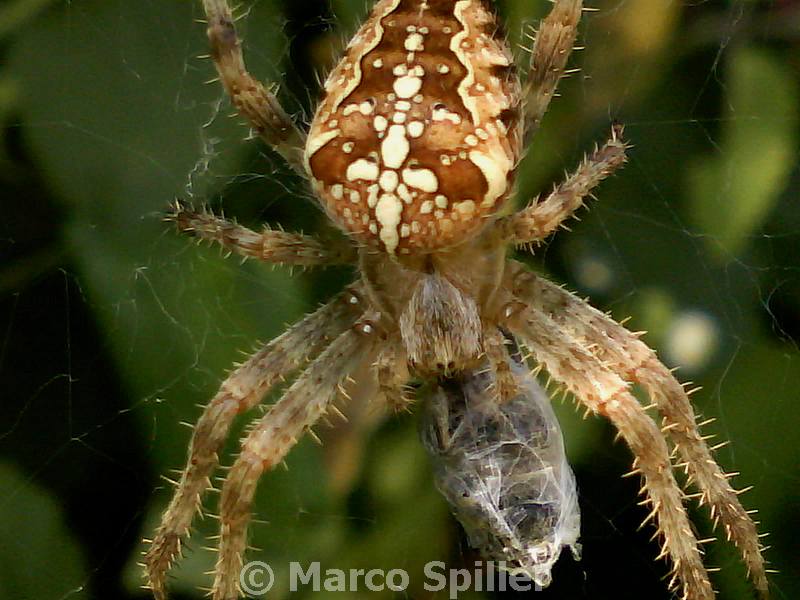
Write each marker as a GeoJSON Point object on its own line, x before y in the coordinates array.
{"type": "Point", "coordinates": [416, 139]}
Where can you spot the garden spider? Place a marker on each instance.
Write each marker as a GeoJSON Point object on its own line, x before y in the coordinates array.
{"type": "Point", "coordinates": [412, 153]}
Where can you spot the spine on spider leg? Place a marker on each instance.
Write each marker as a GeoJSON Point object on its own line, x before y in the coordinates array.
{"type": "Point", "coordinates": [269, 245]}
{"type": "Point", "coordinates": [257, 103]}
{"type": "Point", "coordinates": [542, 218]}
{"type": "Point", "coordinates": [503, 469]}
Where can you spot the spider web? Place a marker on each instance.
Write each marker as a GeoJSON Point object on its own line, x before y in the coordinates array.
{"type": "Point", "coordinates": [114, 328]}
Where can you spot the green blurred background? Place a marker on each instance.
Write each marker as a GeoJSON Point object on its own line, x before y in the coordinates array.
{"type": "Point", "coordinates": [114, 328]}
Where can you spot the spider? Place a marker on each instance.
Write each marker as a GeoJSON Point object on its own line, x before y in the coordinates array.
{"type": "Point", "coordinates": [413, 152]}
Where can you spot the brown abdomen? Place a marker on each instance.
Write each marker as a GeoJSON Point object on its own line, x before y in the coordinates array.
{"type": "Point", "coordinates": [416, 139]}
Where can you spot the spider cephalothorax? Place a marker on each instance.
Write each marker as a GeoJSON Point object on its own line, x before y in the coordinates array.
{"type": "Point", "coordinates": [412, 153]}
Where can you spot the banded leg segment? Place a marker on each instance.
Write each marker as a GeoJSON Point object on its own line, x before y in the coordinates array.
{"type": "Point", "coordinates": [242, 390]}
{"type": "Point", "coordinates": [540, 219]}
{"type": "Point", "coordinates": [605, 393]}
{"type": "Point", "coordinates": [551, 50]}
{"type": "Point", "coordinates": [634, 361]}
{"type": "Point", "coordinates": [304, 403]}
{"type": "Point", "coordinates": [270, 245]}
{"type": "Point", "coordinates": [255, 102]}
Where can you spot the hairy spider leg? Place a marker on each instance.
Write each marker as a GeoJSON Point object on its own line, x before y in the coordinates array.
{"type": "Point", "coordinates": [542, 218]}
{"type": "Point", "coordinates": [605, 393]}
{"type": "Point", "coordinates": [252, 99]}
{"type": "Point", "coordinates": [244, 388]}
{"type": "Point", "coordinates": [636, 362]}
{"type": "Point", "coordinates": [269, 440]}
{"type": "Point", "coordinates": [551, 50]}
{"type": "Point", "coordinates": [391, 368]}
{"type": "Point", "coordinates": [270, 245]}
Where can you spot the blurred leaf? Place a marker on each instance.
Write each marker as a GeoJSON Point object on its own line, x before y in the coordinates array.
{"type": "Point", "coordinates": [9, 97]}
{"type": "Point", "coordinates": [118, 120]}
{"type": "Point", "coordinates": [757, 423]}
{"type": "Point", "coordinates": [630, 47]}
{"type": "Point", "coordinates": [14, 14]}
{"type": "Point", "coordinates": [349, 15]}
{"type": "Point", "coordinates": [38, 556]}
{"type": "Point", "coordinates": [733, 193]}
{"type": "Point", "coordinates": [165, 306]}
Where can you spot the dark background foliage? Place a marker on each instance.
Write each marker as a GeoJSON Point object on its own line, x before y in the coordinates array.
{"type": "Point", "coordinates": [114, 328]}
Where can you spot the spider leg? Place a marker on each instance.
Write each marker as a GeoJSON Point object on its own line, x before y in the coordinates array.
{"type": "Point", "coordinates": [495, 345]}
{"type": "Point", "coordinates": [306, 401]}
{"type": "Point", "coordinates": [622, 351]}
{"type": "Point", "coordinates": [242, 390]}
{"type": "Point", "coordinates": [270, 245]}
{"type": "Point", "coordinates": [391, 368]}
{"type": "Point", "coordinates": [601, 390]}
{"type": "Point", "coordinates": [255, 102]}
{"type": "Point", "coordinates": [540, 219]}
{"type": "Point", "coordinates": [551, 50]}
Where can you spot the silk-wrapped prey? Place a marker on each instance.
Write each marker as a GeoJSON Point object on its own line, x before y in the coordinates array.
{"type": "Point", "coordinates": [503, 469]}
